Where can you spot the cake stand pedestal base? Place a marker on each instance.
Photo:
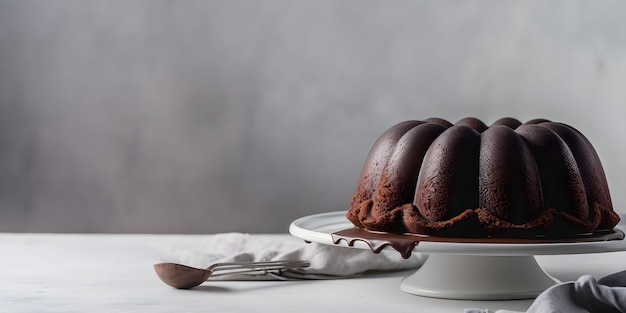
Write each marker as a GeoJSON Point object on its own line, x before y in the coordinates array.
{"type": "Point", "coordinates": [478, 277]}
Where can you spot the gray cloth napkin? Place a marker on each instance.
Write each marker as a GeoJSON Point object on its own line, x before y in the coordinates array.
{"type": "Point", "coordinates": [585, 295]}
{"type": "Point", "coordinates": [327, 261]}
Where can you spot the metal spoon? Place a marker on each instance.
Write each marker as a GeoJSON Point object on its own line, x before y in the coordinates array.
{"type": "Point", "coordinates": [184, 277]}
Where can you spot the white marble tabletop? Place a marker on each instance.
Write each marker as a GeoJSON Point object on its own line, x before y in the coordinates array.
{"type": "Point", "coordinates": [113, 273]}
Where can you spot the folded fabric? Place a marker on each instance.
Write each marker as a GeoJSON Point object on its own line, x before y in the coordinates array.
{"type": "Point", "coordinates": [585, 295]}
{"type": "Point", "coordinates": [327, 261]}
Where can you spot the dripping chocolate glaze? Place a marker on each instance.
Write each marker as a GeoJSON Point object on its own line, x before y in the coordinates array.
{"type": "Point", "coordinates": [405, 243]}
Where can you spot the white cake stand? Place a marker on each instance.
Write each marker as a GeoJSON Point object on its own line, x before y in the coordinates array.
{"type": "Point", "coordinates": [471, 271]}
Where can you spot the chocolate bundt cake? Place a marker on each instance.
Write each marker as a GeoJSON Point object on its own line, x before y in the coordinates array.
{"type": "Point", "coordinates": [431, 177]}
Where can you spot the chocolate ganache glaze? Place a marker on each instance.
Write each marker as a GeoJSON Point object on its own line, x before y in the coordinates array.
{"type": "Point", "coordinates": [405, 243]}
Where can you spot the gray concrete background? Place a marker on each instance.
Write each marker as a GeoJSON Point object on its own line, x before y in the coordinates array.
{"type": "Point", "coordinates": [214, 116]}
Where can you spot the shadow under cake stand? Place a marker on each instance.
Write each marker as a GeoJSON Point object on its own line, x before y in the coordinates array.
{"type": "Point", "coordinates": [470, 270]}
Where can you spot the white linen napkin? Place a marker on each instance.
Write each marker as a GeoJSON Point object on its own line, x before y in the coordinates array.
{"type": "Point", "coordinates": [327, 261]}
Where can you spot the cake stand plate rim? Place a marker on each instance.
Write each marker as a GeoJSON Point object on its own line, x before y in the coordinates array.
{"type": "Point", "coordinates": [319, 227]}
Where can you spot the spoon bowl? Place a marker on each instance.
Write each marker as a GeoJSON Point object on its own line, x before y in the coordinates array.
{"type": "Point", "coordinates": [181, 276]}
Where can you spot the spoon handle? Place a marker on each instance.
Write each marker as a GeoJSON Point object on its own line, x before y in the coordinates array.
{"type": "Point", "coordinates": [257, 265]}
{"type": "Point", "coordinates": [261, 269]}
